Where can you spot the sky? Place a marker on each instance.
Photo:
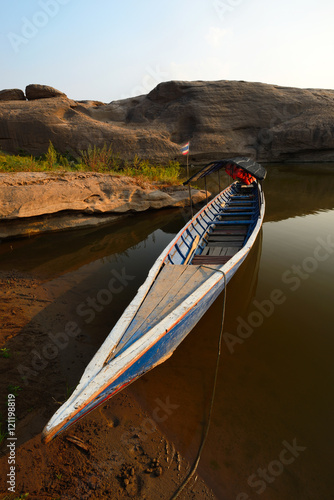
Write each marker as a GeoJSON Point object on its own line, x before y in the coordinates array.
{"type": "Point", "coordinates": [107, 50]}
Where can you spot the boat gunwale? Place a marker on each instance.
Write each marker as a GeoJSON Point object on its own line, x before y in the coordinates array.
{"type": "Point", "coordinates": [135, 351]}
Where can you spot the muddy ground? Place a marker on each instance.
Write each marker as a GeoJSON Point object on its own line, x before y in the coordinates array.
{"type": "Point", "coordinates": [116, 452]}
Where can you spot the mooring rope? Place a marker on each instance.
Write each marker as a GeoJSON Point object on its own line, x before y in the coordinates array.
{"type": "Point", "coordinates": [205, 435]}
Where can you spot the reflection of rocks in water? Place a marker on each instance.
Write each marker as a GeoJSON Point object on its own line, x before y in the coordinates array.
{"type": "Point", "coordinates": [61, 252]}
{"type": "Point", "coordinates": [297, 190]}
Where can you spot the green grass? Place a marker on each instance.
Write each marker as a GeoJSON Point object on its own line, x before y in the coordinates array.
{"type": "Point", "coordinates": [50, 161]}
{"type": "Point", "coordinates": [169, 174]}
{"type": "Point", "coordinates": [94, 159]}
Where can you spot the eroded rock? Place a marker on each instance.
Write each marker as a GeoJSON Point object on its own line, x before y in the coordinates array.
{"type": "Point", "coordinates": [35, 91]}
{"type": "Point", "coordinates": [35, 202]}
{"type": "Point", "coordinates": [221, 119]}
{"type": "Point", "coordinates": [12, 95]}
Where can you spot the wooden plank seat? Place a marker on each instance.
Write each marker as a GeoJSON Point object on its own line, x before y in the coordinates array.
{"type": "Point", "coordinates": [217, 236]}
{"type": "Point", "coordinates": [242, 208]}
{"type": "Point", "coordinates": [225, 244]}
{"type": "Point", "coordinates": [236, 217]}
{"type": "Point", "coordinates": [229, 222]}
{"type": "Point", "coordinates": [221, 240]}
{"type": "Point", "coordinates": [241, 203]}
{"type": "Point", "coordinates": [245, 215]}
{"type": "Point", "coordinates": [209, 259]}
{"type": "Point", "coordinates": [238, 211]}
{"type": "Point", "coordinates": [242, 197]}
{"type": "Point", "coordinates": [229, 232]}
{"type": "Point", "coordinates": [225, 237]}
{"type": "Point", "coordinates": [231, 250]}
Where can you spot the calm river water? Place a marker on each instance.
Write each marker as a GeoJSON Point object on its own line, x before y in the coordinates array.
{"type": "Point", "coordinates": [271, 434]}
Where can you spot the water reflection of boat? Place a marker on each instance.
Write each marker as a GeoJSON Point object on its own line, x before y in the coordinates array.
{"type": "Point", "coordinates": [182, 284]}
{"type": "Point", "coordinates": [243, 288]}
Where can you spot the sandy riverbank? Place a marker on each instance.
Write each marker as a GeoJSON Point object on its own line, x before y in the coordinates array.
{"type": "Point", "coordinates": [118, 451]}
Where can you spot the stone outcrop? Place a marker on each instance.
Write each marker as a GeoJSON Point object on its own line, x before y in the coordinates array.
{"type": "Point", "coordinates": [221, 119]}
{"type": "Point", "coordinates": [77, 200]}
{"type": "Point", "coordinates": [12, 95]}
{"type": "Point", "coordinates": [35, 91]}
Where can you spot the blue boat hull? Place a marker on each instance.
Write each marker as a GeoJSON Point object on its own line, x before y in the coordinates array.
{"type": "Point", "coordinates": [181, 286]}
{"type": "Point", "coordinates": [160, 351]}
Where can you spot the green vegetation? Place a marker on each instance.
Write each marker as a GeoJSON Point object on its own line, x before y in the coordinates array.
{"type": "Point", "coordinates": [3, 433]}
{"type": "Point", "coordinates": [4, 352]}
{"type": "Point", "coordinates": [94, 159]}
{"type": "Point", "coordinates": [14, 389]}
{"type": "Point", "coordinates": [69, 391]}
{"type": "Point", "coordinates": [100, 159]}
{"type": "Point", "coordinates": [169, 174]}
{"type": "Point", "coordinates": [50, 161]}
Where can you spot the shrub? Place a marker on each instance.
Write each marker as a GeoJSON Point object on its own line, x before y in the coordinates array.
{"type": "Point", "coordinates": [168, 174]}
{"type": "Point", "coordinates": [51, 157]}
{"type": "Point", "coordinates": [100, 159]}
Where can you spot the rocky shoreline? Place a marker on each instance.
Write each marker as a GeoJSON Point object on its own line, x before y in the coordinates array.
{"type": "Point", "coordinates": [34, 202]}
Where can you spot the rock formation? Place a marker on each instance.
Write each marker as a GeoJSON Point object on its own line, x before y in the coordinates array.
{"type": "Point", "coordinates": [35, 91]}
{"type": "Point", "coordinates": [221, 119]}
{"type": "Point", "coordinates": [77, 200]}
{"type": "Point", "coordinates": [12, 95]}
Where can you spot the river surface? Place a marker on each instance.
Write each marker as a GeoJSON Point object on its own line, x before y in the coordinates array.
{"type": "Point", "coordinates": [271, 433]}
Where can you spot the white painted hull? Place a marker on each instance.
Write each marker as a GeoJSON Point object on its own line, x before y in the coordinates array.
{"type": "Point", "coordinates": [131, 350]}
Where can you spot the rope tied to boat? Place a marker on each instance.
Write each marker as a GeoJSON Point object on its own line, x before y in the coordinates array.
{"type": "Point", "coordinates": [206, 431]}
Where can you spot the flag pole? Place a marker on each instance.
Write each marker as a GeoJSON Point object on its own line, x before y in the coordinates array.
{"type": "Point", "coordinates": [189, 188]}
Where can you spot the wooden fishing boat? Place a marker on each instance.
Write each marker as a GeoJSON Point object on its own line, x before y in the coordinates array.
{"type": "Point", "coordinates": [182, 284]}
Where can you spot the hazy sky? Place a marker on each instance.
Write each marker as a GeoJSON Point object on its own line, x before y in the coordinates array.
{"type": "Point", "coordinates": [107, 49]}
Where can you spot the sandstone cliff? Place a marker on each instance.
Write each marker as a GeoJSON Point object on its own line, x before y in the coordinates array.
{"type": "Point", "coordinates": [221, 119]}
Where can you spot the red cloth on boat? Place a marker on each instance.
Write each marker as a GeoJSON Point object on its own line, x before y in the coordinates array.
{"type": "Point", "coordinates": [240, 174]}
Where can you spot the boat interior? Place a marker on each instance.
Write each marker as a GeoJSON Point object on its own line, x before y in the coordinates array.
{"type": "Point", "coordinates": [220, 230]}
{"type": "Point", "coordinates": [230, 229]}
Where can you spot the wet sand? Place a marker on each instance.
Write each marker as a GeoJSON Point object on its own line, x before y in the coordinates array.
{"type": "Point", "coordinates": [117, 451]}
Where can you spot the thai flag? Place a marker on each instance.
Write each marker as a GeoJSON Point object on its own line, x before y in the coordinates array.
{"type": "Point", "coordinates": [185, 149]}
